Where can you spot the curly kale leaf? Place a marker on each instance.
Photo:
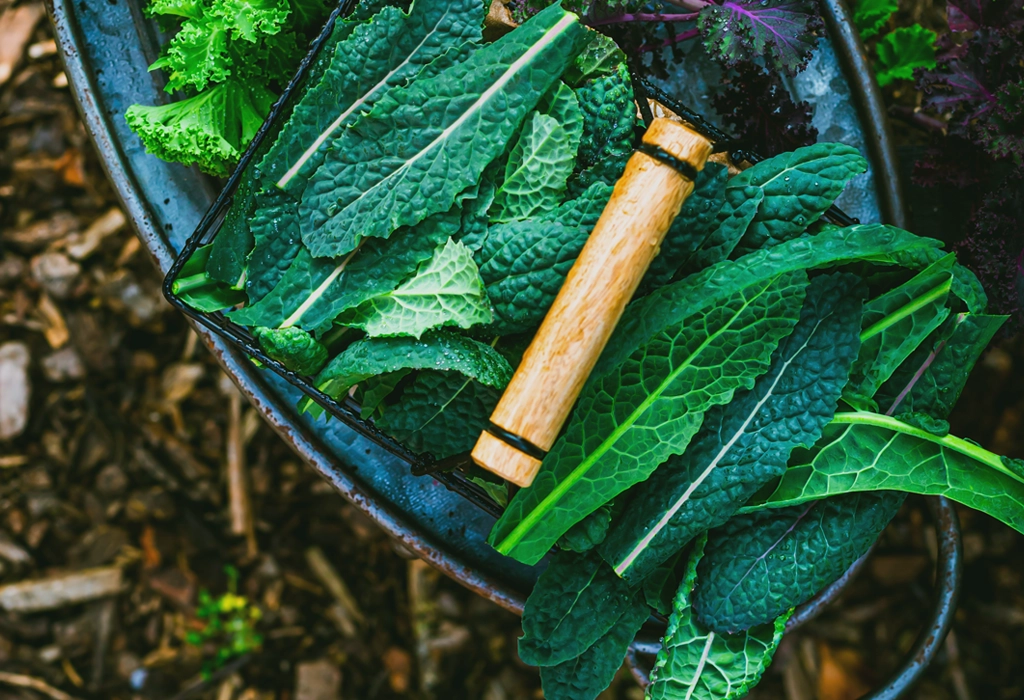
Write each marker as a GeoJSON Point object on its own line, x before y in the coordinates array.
{"type": "Point", "coordinates": [903, 51]}
{"type": "Point", "coordinates": [209, 130]}
{"type": "Point", "coordinates": [780, 31]}
{"type": "Point", "coordinates": [871, 15]}
{"type": "Point", "coordinates": [293, 347]}
{"type": "Point", "coordinates": [756, 105]}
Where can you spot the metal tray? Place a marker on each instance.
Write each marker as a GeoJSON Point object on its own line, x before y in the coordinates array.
{"type": "Point", "coordinates": [107, 48]}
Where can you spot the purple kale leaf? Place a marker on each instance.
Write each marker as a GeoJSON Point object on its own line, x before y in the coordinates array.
{"type": "Point", "coordinates": [994, 247]}
{"type": "Point", "coordinates": [783, 32]}
{"type": "Point", "coordinates": [758, 109]}
{"type": "Point", "coordinates": [980, 85]}
{"type": "Point", "coordinates": [969, 15]}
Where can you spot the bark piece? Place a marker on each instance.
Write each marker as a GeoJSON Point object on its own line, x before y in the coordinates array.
{"type": "Point", "coordinates": [61, 590]}
{"type": "Point", "coordinates": [15, 389]}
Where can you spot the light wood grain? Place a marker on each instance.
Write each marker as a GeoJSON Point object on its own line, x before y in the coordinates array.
{"type": "Point", "coordinates": [645, 201]}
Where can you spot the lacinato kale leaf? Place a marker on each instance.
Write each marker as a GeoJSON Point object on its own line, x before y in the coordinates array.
{"type": "Point", "coordinates": [312, 292]}
{"type": "Point", "coordinates": [379, 54]}
{"type": "Point", "coordinates": [439, 351]}
{"type": "Point", "coordinates": [746, 443]}
{"type": "Point", "coordinates": [791, 191]}
{"type": "Point", "coordinates": [576, 601]}
{"type": "Point", "coordinates": [524, 263]}
{"type": "Point", "coordinates": [441, 413]}
{"type": "Point", "coordinates": [591, 672]}
{"type": "Point", "coordinates": [895, 324]}
{"type": "Point", "coordinates": [668, 305]}
{"type": "Point", "coordinates": [758, 566]}
{"type": "Point", "coordinates": [381, 175]}
{"type": "Point", "coordinates": [632, 419]}
{"type": "Point", "coordinates": [691, 228]}
{"type": "Point", "coordinates": [902, 458]}
{"type": "Point", "coordinates": [445, 291]}
{"type": "Point", "coordinates": [932, 378]}
{"type": "Point", "coordinates": [699, 664]}
{"type": "Point", "coordinates": [609, 114]}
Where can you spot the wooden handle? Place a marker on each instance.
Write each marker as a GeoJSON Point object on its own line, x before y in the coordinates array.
{"type": "Point", "coordinates": [615, 258]}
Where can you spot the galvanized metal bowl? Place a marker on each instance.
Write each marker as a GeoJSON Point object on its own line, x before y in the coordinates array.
{"type": "Point", "coordinates": [107, 48]}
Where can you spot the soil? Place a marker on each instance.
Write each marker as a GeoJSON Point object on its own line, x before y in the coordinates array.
{"type": "Point", "coordinates": [118, 464]}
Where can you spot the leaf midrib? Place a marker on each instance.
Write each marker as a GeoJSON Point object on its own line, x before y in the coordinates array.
{"type": "Point", "coordinates": [527, 523]}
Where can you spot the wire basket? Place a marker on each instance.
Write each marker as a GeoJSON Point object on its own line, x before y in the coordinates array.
{"type": "Point", "coordinates": [347, 410]}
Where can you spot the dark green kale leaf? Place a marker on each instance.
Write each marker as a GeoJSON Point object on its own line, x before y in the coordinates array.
{"type": "Point", "coordinates": [895, 324]}
{"type": "Point", "coordinates": [439, 351]}
{"type": "Point", "coordinates": [760, 565]}
{"type": "Point", "coordinates": [697, 663]}
{"type": "Point", "coordinates": [745, 444]}
{"type": "Point", "coordinates": [312, 292]}
{"type": "Point", "coordinates": [576, 601]}
{"type": "Point", "coordinates": [376, 55]}
{"type": "Point", "coordinates": [381, 175]}
{"type": "Point", "coordinates": [691, 228]}
{"type": "Point", "coordinates": [631, 419]}
{"type": "Point", "coordinates": [292, 347]}
{"type": "Point", "coordinates": [609, 114]}
{"type": "Point", "coordinates": [591, 672]}
{"type": "Point", "coordinates": [933, 377]}
{"type": "Point", "coordinates": [442, 413]}
{"type": "Point", "coordinates": [524, 263]}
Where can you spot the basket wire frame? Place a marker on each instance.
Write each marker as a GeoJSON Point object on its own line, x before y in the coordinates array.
{"type": "Point", "coordinates": [346, 410]}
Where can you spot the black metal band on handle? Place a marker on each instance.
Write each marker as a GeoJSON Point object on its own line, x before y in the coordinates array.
{"type": "Point", "coordinates": [661, 155]}
{"type": "Point", "coordinates": [513, 440]}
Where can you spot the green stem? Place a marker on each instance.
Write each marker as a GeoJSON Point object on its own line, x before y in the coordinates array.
{"type": "Point", "coordinates": [188, 284]}
{"type": "Point", "coordinates": [951, 442]}
{"type": "Point", "coordinates": [920, 302]}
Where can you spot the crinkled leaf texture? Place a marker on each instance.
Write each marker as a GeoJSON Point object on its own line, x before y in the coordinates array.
{"type": "Point", "coordinates": [524, 263]}
{"type": "Point", "coordinates": [439, 351]}
{"type": "Point", "coordinates": [384, 52]}
{"type": "Point", "coordinates": [541, 161]}
{"type": "Point", "coordinates": [442, 413]}
{"type": "Point", "coordinates": [209, 130]}
{"type": "Point", "coordinates": [779, 31]}
{"type": "Point", "coordinates": [424, 143]}
{"type": "Point", "coordinates": [760, 565]}
{"type": "Point", "coordinates": [870, 452]}
{"type": "Point", "coordinates": [697, 664]}
{"type": "Point", "coordinates": [446, 291]}
{"type": "Point", "coordinates": [575, 602]}
{"type": "Point", "coordinates": [609, 114]}
{"type": "Point", "coordinates": [632, 419]}
{"type": "Point", "coordinates": [798, 188]}
{"type": "Point", "coordinates": [777, 199]}
{"type": "Point", "coordinates": [312, 292]}
{"type": "Point", "coordinates": [691, 228]}
{"type": "Point", "coordinates": [895, 324]}
{"type": "Point", "coordinates": [745, 444]}
{"type": "Point", "coordinates": [293, 347]}
{"type": "Point", "coordinates": [591, 672]}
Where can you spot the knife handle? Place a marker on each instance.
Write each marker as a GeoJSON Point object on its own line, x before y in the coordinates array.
{"type": "Point", "coordinates": [646, 199]}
